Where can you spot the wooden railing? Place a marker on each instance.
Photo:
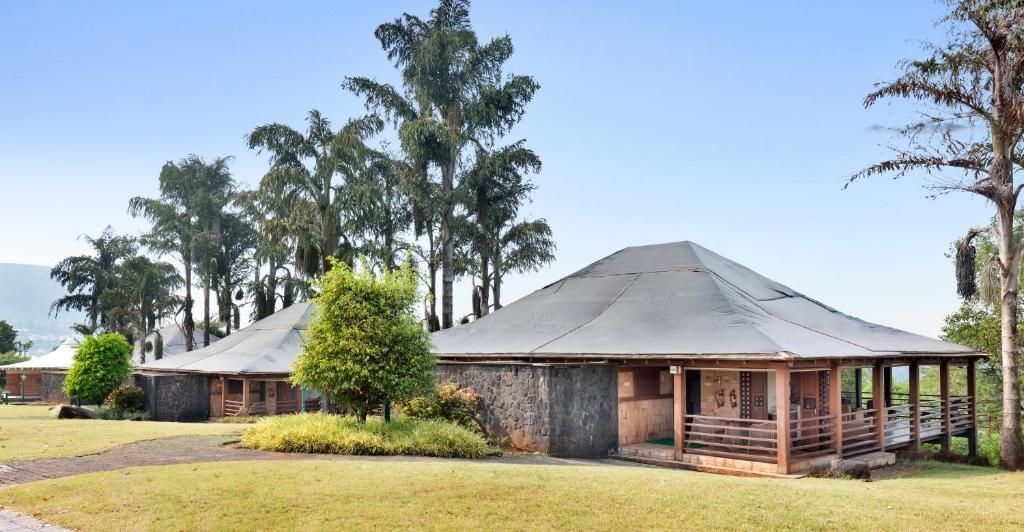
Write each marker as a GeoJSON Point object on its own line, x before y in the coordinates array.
{"type": "Point", "coordinates": [745, 439]}
{"type": "Point", "coordinates": [860, 432]}
{"type": "Point", "coordinates": [232, 408]}
{"type": "Point", "coordinates": [811, 436]}
{"type": "Point", "coordinates": [960, 413]}
{"type": "Point", "coordinates": [312, 405]}
{"type": "Point", "coordinates": [899, 424]}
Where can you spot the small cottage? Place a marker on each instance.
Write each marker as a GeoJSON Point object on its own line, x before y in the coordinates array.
{"type": "Point", "coordinates": [676, 355]}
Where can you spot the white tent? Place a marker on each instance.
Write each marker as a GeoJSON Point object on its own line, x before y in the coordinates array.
{"type": "Point", "coordinates": [58, 359]}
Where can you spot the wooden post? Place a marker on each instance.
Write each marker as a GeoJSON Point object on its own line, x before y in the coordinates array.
{"type": "Point", "coordinates": [947, 435]}
{"type": "Point", "coordinates": [915, 407]}
{"type": "Point", "coordinates": [245, 397]}
{"type": "Point", "coordinates": [223, 395]}
{"type": "Point", "coordinates": [878, 402]}
{"type": "Point", "coordinates": [782, 418]}
{"type": "Point", "coordinates": [678, 412]}
{"type": "Point", "coordinates": [887, 385]}
{"type": "Point", "coordinates": [858, 380]}
{"type": "Point", "coordinates": [972, 432]}
{"type": "Point", "coordinates": [835, 403]}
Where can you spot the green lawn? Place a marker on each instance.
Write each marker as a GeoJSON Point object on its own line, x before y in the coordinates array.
{"type": "Point", "coordinates": [369, 494]}
{"type": "Point", "coordinates": [33, 432]}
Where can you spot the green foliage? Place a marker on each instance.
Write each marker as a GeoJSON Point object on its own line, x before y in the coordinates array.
{"type": "Point", "coordinates": [100, 364]}
{"type": "Point", "coordinates": [12, 357]}
{"type": "Point", "coordinates": [118, 415]}
{"type": "Point", "coordinates": [365, 347]}
{"type": "Point", "coordinates": [447, 403]}
{"type": "Point", "coordinates": [331, 434]}
{"type": "Point", "coordinates": [126, 398]}
{"type": "Point", "coordinates": [7, 337]}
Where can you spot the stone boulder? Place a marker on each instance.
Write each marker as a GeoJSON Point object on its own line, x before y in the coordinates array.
{"type": "Point", "coordinates": [74, 412]}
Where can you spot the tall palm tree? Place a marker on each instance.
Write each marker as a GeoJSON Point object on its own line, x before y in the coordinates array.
{"type": "Point", "coordinates": [308, 173]}
{"type": "Point", "coordinates": [461, 96]}
{"type": "Point", "coordinates": [176, 227]}
{"type": "Point", "coordinates": [150, 287]}
{"type": "Point", "coordinates": [87, 277]}
{"type": "Point", "coordinates": [210, 207]}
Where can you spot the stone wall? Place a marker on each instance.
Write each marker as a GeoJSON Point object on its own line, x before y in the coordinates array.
{"type": "Point", "coordinates": [562, 411]}
{"type": "Point", "coordinates": [176, 397]}
{"type": "Point", "coordinates": [53, 388]}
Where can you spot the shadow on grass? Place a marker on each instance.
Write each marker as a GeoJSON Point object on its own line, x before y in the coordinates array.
{"type": "Point", "coordinates": [925, 469]}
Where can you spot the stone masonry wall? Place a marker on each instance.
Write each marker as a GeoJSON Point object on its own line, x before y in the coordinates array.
{"type": "Point", "coordinates": [563, 411]}
{"type": "Point", "coordinates": [180, 397]}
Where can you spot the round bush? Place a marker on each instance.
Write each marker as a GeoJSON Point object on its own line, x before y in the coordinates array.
{"type": "Point", "coordinates": [447, 403]}
{"type": "Point", "coordinates": [126, 398]}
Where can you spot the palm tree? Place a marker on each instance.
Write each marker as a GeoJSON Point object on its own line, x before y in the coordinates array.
{"type": "Point", "coordinates": [461, 96]}
{"type": "Point", "coordinates": [176, 228]}
{"type": "Point", "coordinates": [150, 287]}
{"type": "Point", "coordinates": [209, 206]}
{"type": "Point", "coordinates": [303, 177]}
{"type": "Point", "coordinates": [87, 277]}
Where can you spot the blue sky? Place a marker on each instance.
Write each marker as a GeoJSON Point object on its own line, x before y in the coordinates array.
{"type": "Point", "coordinates": [732, 124]}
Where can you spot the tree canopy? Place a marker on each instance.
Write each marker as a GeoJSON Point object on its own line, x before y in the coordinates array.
{"type": "Point", "coordinates": [101, 363]}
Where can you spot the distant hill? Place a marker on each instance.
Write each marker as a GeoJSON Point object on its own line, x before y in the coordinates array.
{"type": "Point", "coordinates": [26, 292]}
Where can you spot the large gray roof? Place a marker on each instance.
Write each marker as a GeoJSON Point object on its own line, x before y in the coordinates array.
{"type": "Point", "coordinates": [268, 346]}
{"type": "Point", "coordinates": [174, 341]}
{"type": "Point", "coordinates": [676, 300]}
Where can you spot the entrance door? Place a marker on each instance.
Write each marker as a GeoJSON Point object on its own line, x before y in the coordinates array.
{"type": "Point", "coordinates": [692, 391]}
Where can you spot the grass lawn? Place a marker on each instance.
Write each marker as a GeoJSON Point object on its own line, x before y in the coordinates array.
{"type": "Point", "coordinates": [362, 494]}
{"type": "Point", "coordinates": [28, 432]}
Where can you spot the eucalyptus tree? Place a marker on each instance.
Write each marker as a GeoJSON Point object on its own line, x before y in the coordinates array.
{"type": "Point", "coordinates": [968, 138]}
{"type": "Point", "coordinates": [308, 173]}
{"type": "Point", "coordinates": [176, 229]}
{"type": "Point", "coordinates": [460, 95]}
{"type": "Point", "coordinates": [87, 277]}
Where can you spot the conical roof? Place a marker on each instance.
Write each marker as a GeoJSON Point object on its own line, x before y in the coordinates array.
{"type": "Point", "coordinates": [676, 300]}
{"type": "Point", "coordinates": [58, 359]}
{"type": "Point", "coordinates": [267, 346]}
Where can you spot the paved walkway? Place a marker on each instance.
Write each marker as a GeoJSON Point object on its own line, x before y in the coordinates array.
{"type": "Point", "coordinates": [193, 449]}
{"type": "Point", "coordinates": [14, 522]}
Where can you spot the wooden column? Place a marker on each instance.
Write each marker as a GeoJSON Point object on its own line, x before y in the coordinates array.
{"type": "Point", "coordinates": [972, 433]}
{"type": "Point", "coordinates": [678, 412]}
{"type": "Point", "coordinates": [915, 407]}
{"type": "Point", "coordinates": [947, 435]}
{"type": "Point", "coordinates": [782, 418]}
{"type": "Point", "coordinates": [835, 404]}
{"type": "Point", "coordinates": [223, 395]}
{"type": "Point", "coordinates": [245, 397]}
{"type": "Point", "coordinates": [878, 402]}
{"type": "Point", "coordinates": [887, 384]}
{"type": "Point", "coordinates": [858, 383]}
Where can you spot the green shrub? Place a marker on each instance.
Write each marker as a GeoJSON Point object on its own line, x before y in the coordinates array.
{"type": "Point", "coordinates": [331, 434]}
{"type": "Point", "coordinates": [126, 398]}
{"type": "Point", "coordinates": [447, 403]}
{"type": "Point", "coordinates": [109, 413]}
{"type": "Point", "coordinates": [100, 365]}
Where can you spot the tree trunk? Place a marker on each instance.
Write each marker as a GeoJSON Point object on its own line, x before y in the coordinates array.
{"type": "Point", "coordinates": [485, 288]}
{"type": "Point", "coordinates": [447, 268]}
{"type": "Point", "coordinates": [432, 322]}
{"type": "Point", "coordinates": [1011, 455]}
{"type": "Point", "coordinates": [143, 331]}
{"type": "Point", "coordinates": [497, 280]}
{"type": "Point", "coordinates": [206, 308]}
{"type": "Point", "coordinates": [188, 324]}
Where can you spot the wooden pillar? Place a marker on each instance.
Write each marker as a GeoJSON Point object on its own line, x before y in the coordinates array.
{"type": "Point", "coordinates": [223, 395]}
{"type": "Point", "coordinates": [858, 384]}
{"type": "Point", "coordinates": [972, 432]}
{"type": "Point", "coordinates": [878, 402]}
{"type": "Point", "coordinates": [835, 404]}
{"type": "Point", "coordinates": [915, 407]}
{"type": "Point", "coordinates": [947, 435]}
{"type": "Point", "coordinates": [782, 418]}
{"type": "Point", "coordinates": [678, 412]}
{"type": "Point", "coordinates": [245, 397]}
{"type": "Point", "coordinates": [887, 384]}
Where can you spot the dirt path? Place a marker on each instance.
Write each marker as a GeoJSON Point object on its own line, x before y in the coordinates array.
{"type": "Point", "coordinates": [193, 449]}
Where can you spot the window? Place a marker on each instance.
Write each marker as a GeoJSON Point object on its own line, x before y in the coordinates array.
{"type": "Point", "coordinates": [647, 382]}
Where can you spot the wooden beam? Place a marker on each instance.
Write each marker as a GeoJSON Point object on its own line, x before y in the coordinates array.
{"type": "Point", "coordinates": [947, 435]}
{"type": "Point", "coordinates": [245, 397]}
{"type": "Point", "coordinates": [972, 433]}
{"type": "Point", "coordinates": [678, 412]}
{"type": "Point", "coordinates": [878, 402]}
{"type": "Point", "coordinates": [782, 419]}
{"type": "Point", "coordinates": [915, 405]}
{"type": "Point", "coordinates": [835, 404]}
{"type": "Point", "coordinates": [223, 394]}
